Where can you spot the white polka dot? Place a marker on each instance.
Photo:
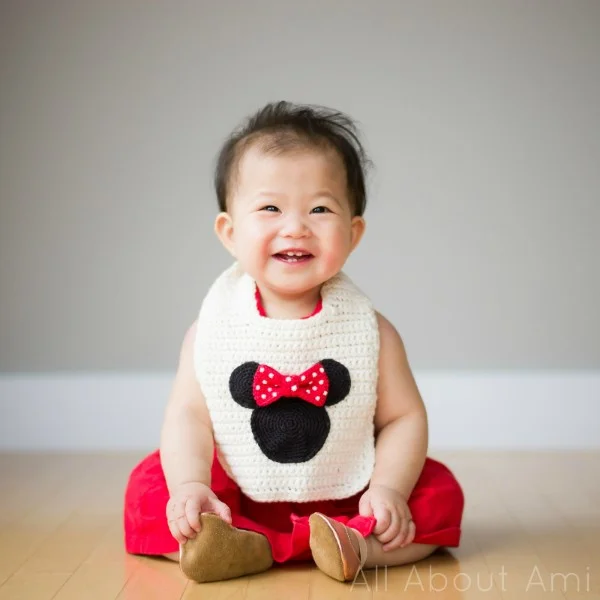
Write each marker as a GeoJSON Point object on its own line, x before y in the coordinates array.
{"type": "Point", "coordinates": [263, 396]}
{"type": "Point", "coordinates": [258, 387]}
{"type": "Point", "coordinates": [314, 374]}
{"type": "Point", "coordinates": [264, 381]}
{"type": "Point", "coordinates": [262, 369]}
{"type": "Point", "coordinates": [321, 370]}
{"type": "Point", "coordinates": [271, 375]}
{"type": "Point", "coordinates": [308, 391]}
{"type": "Point", "coordinates": [288, 378]}
{"type": "Point", "coordinates": [324, 393]}
{"type": "Point", "coordinates": [314, 387]}
{"type": "Point", "coordinates": [294, 388]}
{"type": "Point", "coordinates": [274, 394]}
{"type": "Point", "coordinates": [318, 398]}
{"type": "Point", "coordinates": [269, 389]}
{"type": "Point", "coordinates": [320, 382]}
{"type": "Point", "coordinates": [303, 377]}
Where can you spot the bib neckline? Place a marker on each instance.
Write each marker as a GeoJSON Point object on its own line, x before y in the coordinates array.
{"type": "Point", "coordinates": [261, 309]}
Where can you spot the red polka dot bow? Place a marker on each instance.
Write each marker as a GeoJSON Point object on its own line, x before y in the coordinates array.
{"type": "Point", "coordinates": [269, 385]}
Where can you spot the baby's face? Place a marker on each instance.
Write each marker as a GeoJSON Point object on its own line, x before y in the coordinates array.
{"type": "Point", "coordinates": [290, 222]}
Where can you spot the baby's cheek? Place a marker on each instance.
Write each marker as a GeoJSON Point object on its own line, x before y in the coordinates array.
{"type": "Point", "coordinates": [252, 248]}
{"type": "Point", "coordinates": [337, 251]}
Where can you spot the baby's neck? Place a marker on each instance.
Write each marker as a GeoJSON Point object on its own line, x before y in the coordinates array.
{"type": "Point", "coordinates": [277, 306]}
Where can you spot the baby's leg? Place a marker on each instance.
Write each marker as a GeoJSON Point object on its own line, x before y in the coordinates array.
{"type": "Point", "coordinates": [172, 556]}
{"type": "Point", "coordinates": [339, 551]}
{"type": "Point", "coordinates": [371, 553]}
{"type": "Point", "coordinates": [401, 556]}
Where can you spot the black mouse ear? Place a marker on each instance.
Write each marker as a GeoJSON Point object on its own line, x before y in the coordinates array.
{"type": "Point", "coordinates": [339, 381]}
{"type": "Point", "coordinates": [240, 384]}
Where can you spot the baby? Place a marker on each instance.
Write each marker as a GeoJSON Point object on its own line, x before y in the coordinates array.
{"type": "Point", "coordinates": [294, 429]}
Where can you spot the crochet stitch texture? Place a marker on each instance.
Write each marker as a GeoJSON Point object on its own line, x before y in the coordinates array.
{"type": "Point", "coordinates": [290, 450]}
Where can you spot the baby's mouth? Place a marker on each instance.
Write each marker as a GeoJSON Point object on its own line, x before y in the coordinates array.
{"type": "Point", "coordinates": [293, 257]}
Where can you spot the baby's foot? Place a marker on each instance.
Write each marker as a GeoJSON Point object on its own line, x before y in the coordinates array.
{"type": "Point", "coordinates": [221, 551]}
{"type": "Point", "coordinates": [339, 551]}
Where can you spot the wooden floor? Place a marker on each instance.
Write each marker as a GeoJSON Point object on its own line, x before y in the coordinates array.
{"type": "Point", "coordinates": [531, 531]}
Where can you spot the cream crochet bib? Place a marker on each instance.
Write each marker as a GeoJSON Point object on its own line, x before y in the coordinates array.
{"type": "Point", "coordinates": [291, 401]}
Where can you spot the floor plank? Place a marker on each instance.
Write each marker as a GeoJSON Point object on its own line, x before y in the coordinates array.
{"type": "Point", "coordinates": [531, 530]}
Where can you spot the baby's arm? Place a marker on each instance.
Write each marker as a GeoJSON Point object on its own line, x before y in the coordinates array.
{"type": "Point", "coordinates": [400, 446]}
{"type": "Point", "coordinates": [186, 447]}
{"type": "Point", "coordinates": [400, 417]}
{"type": "Point", "coordinates": [186, 450]}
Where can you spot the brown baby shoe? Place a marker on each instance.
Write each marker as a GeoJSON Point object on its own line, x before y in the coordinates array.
{"type": "Point", "coordinates": [332, 549]}
{"type": "Point", "coordinates": [220, 551]}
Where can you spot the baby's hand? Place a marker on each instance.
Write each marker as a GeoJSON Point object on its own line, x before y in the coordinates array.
{"type": "Point", "coordinates": [185, 505]}
{"type": "Point", "coordinates": [395, 527]}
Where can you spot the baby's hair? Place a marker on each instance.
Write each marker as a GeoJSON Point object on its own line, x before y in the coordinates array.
{"type": "Point", "coordinates": [283, 126]}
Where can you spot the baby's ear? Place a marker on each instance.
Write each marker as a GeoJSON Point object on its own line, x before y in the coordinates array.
{"type": "Point", "coordinates": [339, 381]}
{"type": "Point", "coordinates": [241, 381]}
{"type": "Point", "coordinates": [224, 230]}
{"type": "Point", "coordinates": [358, 230]}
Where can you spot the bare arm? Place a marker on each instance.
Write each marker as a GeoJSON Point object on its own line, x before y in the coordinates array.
{"type": "Point", "coordinates": [400, 418]}
{"type": "Point", "coordinates": [186, 447]}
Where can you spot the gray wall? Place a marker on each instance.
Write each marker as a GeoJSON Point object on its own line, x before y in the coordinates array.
{"type": "Point", "coordinates": [482, 118]}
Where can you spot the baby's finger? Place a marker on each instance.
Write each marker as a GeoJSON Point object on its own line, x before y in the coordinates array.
{"type": "Point", "coordinates": [173, 509]}
{"type": "Point", "coordinates": [391, 533]}
{"type": "Point", "coordinates": [185, 527]}
{"type": "Point", "coordinates": [383, 519]}
{"type": "Point", "coordinates": [224, 512]}
{"type": "Point", "coordinates": [215, 506]}
{"type": "Point", "coordinates": [412, 530]}
{"type": "Point", "coordinates": [393, 545]}
{"type": "Point", "coordinates": [175, 532]}
{"type": "Point", "coordinates": [404, 527]}
{"type": "Point", "coordinates": [192, 513]}
{"type": "Point", "coordinates": [364, 506]}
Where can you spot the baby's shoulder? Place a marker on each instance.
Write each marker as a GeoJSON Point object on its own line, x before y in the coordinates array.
{"type": "Point", "coordinates": [384, 325]}
{"type": "Point", "coordinates": [389, 338]}
{"type": "Point", "coordinates": [189, 339]}
{"type": "Point", "coordinates": [186, 354]}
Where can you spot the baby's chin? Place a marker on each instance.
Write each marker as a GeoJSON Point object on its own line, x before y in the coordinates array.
{"type": "Point", "coordinates": [290, 288]}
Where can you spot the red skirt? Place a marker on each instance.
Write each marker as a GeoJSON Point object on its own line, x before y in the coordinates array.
{"type": "Point", "coordinates": [436, 505]}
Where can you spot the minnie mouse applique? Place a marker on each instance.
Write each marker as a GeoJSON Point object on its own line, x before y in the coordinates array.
{"type": "Point", "coordinates": [289, 419]}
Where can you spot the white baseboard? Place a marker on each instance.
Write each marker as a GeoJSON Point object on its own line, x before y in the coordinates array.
{"type": "Point", "coordinates": [467, 410]}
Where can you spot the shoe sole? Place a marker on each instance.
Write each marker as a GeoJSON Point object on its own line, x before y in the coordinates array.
{"type": "Point", "coordinates": [326, 547]}
{"type": "Point", "coordinates": [221, 551]}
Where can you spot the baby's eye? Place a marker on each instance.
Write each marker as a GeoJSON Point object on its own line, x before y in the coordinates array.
{"type": "Point", "coordinates": [270, 208]}
{"type": "Point", "coordinates": [320, 209]}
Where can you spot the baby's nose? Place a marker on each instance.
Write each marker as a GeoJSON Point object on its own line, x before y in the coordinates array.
{"type": "Point", "coordinates": [294, 226]}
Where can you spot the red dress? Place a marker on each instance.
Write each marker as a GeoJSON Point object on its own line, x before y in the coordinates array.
{"type": "Point", "coordinates": [436, 505]}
